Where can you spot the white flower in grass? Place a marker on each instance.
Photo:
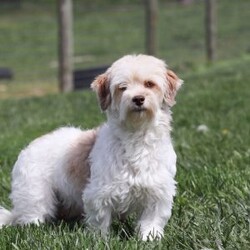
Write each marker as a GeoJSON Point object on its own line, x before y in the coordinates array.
{"type": "Point", "coordinates": [202, 128]}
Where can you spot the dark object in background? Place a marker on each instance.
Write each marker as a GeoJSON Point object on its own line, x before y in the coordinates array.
{"type": "Point", "coordinates": [6, 73]}
{"type": "Point", "coordinates": [185, 2]}
{"type": "Point", "coordinates": [83, 78]}
{"type": "Point", "coordinates": [10, 3]}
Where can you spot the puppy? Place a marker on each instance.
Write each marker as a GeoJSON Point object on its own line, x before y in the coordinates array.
{"type": "Point", "coordinates": [125, 166]}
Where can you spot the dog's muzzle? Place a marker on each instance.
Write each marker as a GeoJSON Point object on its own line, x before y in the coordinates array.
{"type": "Point", "coordinates": [138, 100]}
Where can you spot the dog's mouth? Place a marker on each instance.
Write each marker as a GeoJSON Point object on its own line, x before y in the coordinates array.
{"type": "Point", "coordinates": [137, 117]}
{"type": "Point", "coordinates": [138, 109]}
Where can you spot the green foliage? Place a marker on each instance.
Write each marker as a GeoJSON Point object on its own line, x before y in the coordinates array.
{"type": "Point", "coordinates": [106, 31]}
{"type": "Point", "coordinates": [211, 209]}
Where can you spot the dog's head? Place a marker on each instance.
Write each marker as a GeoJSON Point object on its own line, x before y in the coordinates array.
{"type": "Point", "coordinates": [135, 88]}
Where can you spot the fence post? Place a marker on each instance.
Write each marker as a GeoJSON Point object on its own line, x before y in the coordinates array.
{"type": "Point", "coordinates": [151, 7]}
{"type": "Point", "coordinates": [211, 29]}
{"type": "Point", "coordinates": [65, 45]}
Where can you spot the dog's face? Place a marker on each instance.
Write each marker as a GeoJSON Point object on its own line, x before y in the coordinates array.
{"type": "Point", "coordinates": [135, 88]}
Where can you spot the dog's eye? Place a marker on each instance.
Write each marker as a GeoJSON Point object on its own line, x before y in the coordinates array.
{"type": "Point", "coordinates": [122, 88]}
{"type": "Point", "coordinates": [149, 84]}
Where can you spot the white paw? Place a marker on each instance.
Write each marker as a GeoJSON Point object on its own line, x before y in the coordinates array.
{"type": "Point", "coordinates": [151, 234]}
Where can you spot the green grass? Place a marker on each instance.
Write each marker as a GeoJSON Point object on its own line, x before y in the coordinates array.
{"type": "Point", "coordinates": [105, 32]}
{"type": "Point", "coordinates": [212, 206]}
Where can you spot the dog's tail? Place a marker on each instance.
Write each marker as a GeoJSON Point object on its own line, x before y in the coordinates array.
{"type": "Point", "coordinates": [5, 217]}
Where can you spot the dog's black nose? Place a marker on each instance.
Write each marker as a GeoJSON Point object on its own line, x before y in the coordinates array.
{"type": "Point", "coordinates": [138, 100]}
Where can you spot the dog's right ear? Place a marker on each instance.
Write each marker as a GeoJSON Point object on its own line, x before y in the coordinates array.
{"type": "Point", "coordinates": [101, 86]}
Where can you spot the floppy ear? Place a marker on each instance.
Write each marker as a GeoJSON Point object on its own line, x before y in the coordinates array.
{"type": "Point", "coordinates": [173, 84]}
{"type": "Point", "coordinates": [101, 86]}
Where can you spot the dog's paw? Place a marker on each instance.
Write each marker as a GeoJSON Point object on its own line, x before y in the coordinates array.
{"type": "Point", "coordinates": [151, 234]}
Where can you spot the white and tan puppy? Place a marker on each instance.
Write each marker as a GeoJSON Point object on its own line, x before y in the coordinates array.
{"type": "Point", "coordinates": [126, 165]}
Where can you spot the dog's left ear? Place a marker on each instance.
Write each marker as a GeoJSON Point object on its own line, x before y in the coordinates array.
{"type": "Point", "coordinates": [173, 84]}
{"type": "Point", "coordinates": [101, 86]}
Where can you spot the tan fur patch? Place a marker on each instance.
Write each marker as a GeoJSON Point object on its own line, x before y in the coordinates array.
{"type": "Point", "coordinates": [174, 84]}
{"type": "Point", "coordinates": [78, 164]}
{"type": "Point", "coordinates": [101, 87]}
{"type": "Point", "coordinates": [172, 80]}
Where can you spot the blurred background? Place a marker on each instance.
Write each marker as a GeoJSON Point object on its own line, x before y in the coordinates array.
{"type": "Point", "coordinates": [104, 30]}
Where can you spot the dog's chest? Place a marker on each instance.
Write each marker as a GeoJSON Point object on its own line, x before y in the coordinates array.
{"type": "Point", "coordinates": [139, 173]}
{"type": "Point", "coordinates": [129, 170]}
{"type": "Point", "coordinates": [139, 157]}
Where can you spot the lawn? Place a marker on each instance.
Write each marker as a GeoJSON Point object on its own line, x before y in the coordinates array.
{"type": "Point", "coordinates": [212, 207]}
{"type": "Point", "coordinates": [104, 32]}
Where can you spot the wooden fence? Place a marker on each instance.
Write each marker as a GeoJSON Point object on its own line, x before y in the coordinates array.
{"type": "Point", "coordinates": [66, 74]}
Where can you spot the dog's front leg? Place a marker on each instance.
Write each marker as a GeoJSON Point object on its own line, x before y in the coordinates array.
{"type": "Point", "coordinates": [97, 213]}
{"type": "Point", "coordinates": [100, 221]}
{"type": "Point", "coordinates": [153, 219]}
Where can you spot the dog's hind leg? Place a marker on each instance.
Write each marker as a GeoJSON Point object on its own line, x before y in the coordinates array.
{"type": "Point", "coordinates": [32, 195]}
{"type": "Point", "coordinates": [32, 206]}
{"type": "Point", "coordinates": [28, 208]}
{"type": "Point", "coordinates": [32, 209]}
